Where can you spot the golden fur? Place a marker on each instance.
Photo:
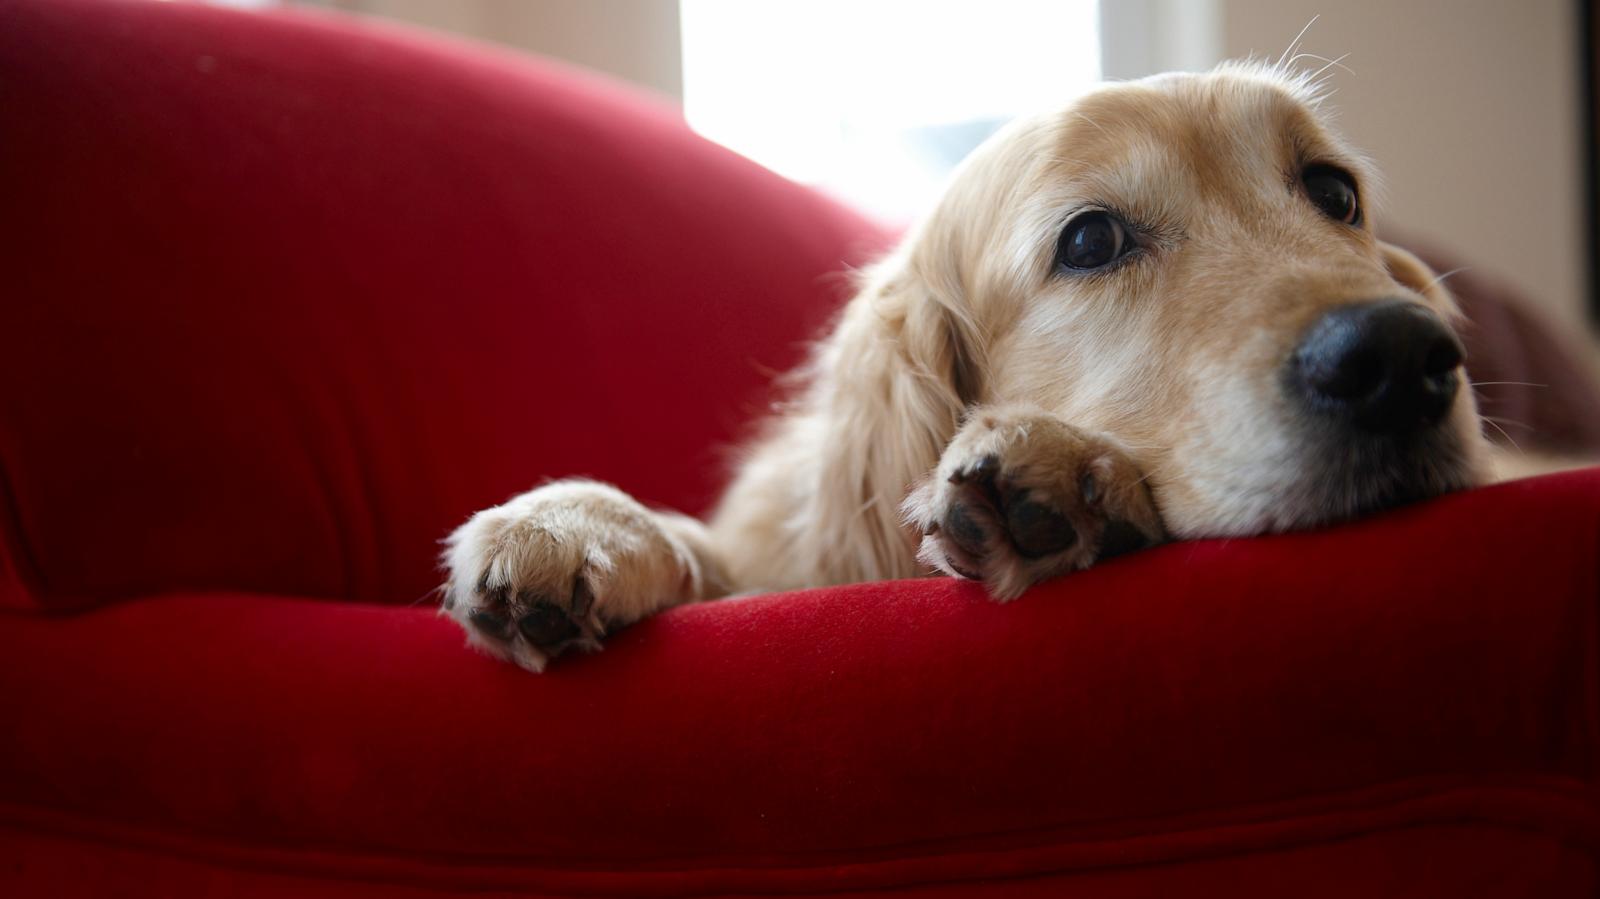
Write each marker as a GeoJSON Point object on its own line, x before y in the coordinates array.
{"type": "Point", "coordinates": [1144, 399]}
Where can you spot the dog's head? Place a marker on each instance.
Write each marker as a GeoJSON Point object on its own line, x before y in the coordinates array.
{"type": "Point", "coordinates": [1188, 263]}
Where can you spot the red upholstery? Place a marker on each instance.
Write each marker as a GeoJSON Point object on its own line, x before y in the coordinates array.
{"type": "Point", "coordinates": [290, 298]}
{"type": "Point", "coordinates": [297, 298]}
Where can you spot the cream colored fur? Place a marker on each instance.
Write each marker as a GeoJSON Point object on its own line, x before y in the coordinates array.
{"type": "Point", "coordinates": [1146, 397]}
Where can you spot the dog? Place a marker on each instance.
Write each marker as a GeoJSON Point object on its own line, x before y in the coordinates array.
{"type": "Point", "coordinates": [1159, 313]}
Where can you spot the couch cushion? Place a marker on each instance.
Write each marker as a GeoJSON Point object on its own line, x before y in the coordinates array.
{"type": "Point", "coordinates": [1429, 676]}
{"type": "Point", "coordinates": [288, 298]}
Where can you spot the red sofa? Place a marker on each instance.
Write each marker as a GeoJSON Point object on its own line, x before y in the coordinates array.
{"type": "Point", "coordinates": [287, 298]}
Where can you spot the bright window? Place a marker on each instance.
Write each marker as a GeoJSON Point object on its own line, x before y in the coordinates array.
{"type": "Point", "coordinates": [876, 100]}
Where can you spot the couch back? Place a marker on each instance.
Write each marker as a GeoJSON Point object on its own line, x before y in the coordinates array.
{"type": "Point", "coordinates": [288, 297]}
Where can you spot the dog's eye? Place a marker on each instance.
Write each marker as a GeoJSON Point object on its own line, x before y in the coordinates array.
{"type": "Point", "coordinates": [1092, 240]}
{"type": "Point", "coordinates": [1333, 192]}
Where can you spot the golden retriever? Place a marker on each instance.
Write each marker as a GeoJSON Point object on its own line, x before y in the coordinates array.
{"type": "Point", "coordinates": [1159, 312]}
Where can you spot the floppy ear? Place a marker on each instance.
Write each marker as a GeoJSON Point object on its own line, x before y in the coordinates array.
{"type": "Point", "coordinates": [890, 387]}
{"type": "Point", "coordinates": [901, 369]}
{"type": "Point", "coordinates": [933, 332]}
{"type": "Point", "coordinates": [1415, 274]}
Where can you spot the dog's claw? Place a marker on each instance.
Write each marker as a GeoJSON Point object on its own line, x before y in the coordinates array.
{"type": "Point", "coordinates": [982, 471]}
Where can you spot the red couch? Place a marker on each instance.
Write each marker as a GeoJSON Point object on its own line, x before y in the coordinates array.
{"type": "Point", "coordinates": [287, 298]}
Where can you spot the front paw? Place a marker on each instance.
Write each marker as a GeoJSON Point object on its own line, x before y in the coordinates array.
{"type": "Point", "coordinates": [556, 569]}
{"type": "Point", "coordinates": [1018, 498]}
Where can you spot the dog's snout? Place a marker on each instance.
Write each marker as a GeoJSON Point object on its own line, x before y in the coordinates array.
{"type": "Point", "coordinates": [1386, 366]}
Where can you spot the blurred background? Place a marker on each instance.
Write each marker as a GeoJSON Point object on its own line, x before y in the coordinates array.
{"type": "Point", "coordinates": [1476, 110]}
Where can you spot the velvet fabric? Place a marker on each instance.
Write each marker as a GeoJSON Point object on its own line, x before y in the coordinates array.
{"type": "Point", "coordinates": [1401, 707]}
{"type": "Point", "coordinates": [288, 297]}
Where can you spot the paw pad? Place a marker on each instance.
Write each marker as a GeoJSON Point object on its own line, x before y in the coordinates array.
{"type": "Point", "coordinates": [546, 625]}
{"type": "Point", "coordinates": [1038, 530]}
{"type": "Point", "coordinates": [1030, 498]}
{"type": "Point", "coordinates": [490, 624]}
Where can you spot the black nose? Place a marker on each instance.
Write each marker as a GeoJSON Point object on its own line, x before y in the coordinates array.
{"type": "Point", "coordinates": [1388, 366]}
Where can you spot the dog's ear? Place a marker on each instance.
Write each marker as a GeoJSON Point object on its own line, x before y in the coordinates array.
{"type": "Point", "coordinates": [873, 410]}
{"type": "Point", "coordinates": [904, 362]}
{"type": "Point", "coordinates": [937, 338]}
{"type": "Point", "coordinates": [890, 385]}
{"type": "Point", "coordinates": [1412, 272]}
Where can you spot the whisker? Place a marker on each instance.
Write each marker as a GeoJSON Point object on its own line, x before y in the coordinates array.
{"type": "Point", "coordinates": [1439, 279]}
{"type": "Point", "coordinates": [1512, 383]}
{"type": "Point", "coordinates": [1318, 73]}
{"type": "Point", "coordinates": [1503, 433]}
{"type": "Point", "coordinates": [1507, 421]}
{"type": "Point", "coordinates": [1295, 43]}
{"type": "Point", "coordinates": [1330, 62]}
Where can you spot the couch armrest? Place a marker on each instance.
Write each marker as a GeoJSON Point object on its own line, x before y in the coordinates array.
{"type": "Point", "coordinates": [1427, 675]}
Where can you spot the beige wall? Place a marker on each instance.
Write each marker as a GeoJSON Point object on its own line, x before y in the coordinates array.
{"type": "Point", "coordinates": [1471, 109]}
{"type": "Point", "coordinates": [633, 39]}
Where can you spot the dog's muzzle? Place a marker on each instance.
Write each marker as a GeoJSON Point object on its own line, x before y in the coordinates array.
{"type": "Point", "coordinates": [1384, 368]}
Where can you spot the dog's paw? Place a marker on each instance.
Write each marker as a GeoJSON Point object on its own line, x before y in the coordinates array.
{"type": "Point", "coordinates": [1018, 498]}
{"type": "Point", "coordinates": [557, 568]}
